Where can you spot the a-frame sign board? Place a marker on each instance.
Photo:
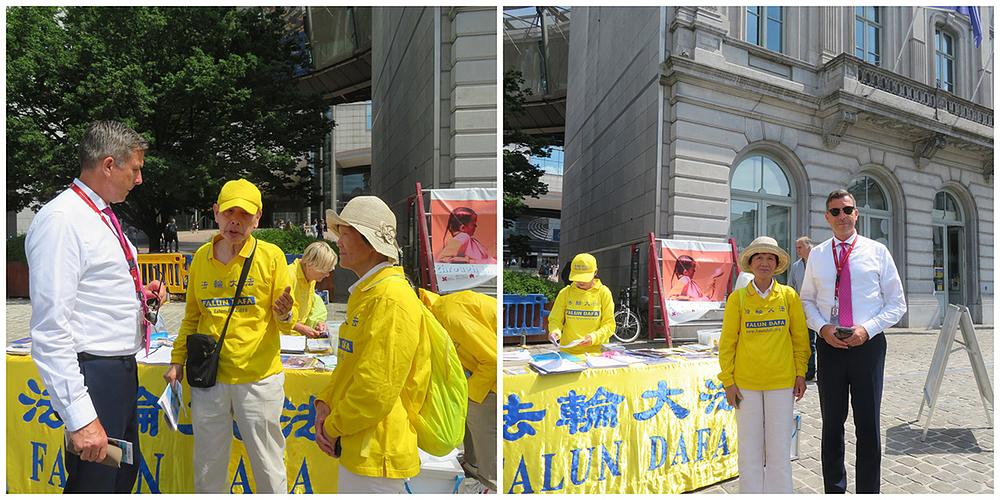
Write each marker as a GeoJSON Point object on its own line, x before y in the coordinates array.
{"type": "Point", "coordinates": [956, 317]}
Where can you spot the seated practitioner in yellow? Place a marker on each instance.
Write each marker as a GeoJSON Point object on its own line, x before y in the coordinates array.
{"type": "Point", "coordinates": [583, 310]}
{"type": "Point", "coordinates": [316, 264]}
{"type": "Point", "coordinates": [471, 321]}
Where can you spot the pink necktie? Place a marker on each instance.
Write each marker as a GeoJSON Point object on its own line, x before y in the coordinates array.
{"type": "Point", "coordinates": [133, 270]}
{"type": "Point", "coordinates": [844, 293]}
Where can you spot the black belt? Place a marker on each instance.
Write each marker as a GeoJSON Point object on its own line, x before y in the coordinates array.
{"type": "Point", "coordinates": [86, 356]}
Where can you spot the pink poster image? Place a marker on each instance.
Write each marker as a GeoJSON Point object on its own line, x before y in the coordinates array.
{"type": "Point", "coordinates": [696, 276]}
{"type": "Point", "coordinates": [464, 237]}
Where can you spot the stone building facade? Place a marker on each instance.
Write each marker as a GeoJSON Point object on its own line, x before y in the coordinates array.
{"type": "Point", "coordinates": [707, 123]}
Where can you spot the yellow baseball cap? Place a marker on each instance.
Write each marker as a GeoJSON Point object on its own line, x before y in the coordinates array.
{"type": "Point", "coordinates": [583, 268]}
{"type": "Point", "coordinates": [240, 193]}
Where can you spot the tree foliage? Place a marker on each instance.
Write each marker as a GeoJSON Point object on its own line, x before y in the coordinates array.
{"type": "Point", "coordinates": [211, 89]}
{"type": "Point", "coordinates": [521, 179]}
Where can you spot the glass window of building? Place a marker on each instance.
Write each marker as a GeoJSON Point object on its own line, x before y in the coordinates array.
{"type": "Point", "coordinates": [874, 210]}
{"type": "Point", "coordinates": [368, 115]}
{"type": "Point", "coordinates": [944, 60]}
{"type": "Point", "coordinates": [764, 27]}
{"type": "Point", "coordinates": [867, 30]}
{"type": "Point", "coordinates": [354, 181]}
{"type": "Point", "coordinates": [761, 203]}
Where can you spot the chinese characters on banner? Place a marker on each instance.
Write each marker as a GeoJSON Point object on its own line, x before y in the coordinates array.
{"type": "Point", "coordinates": [643, 429]}
{"type": "Point", "coordinates": [35, 438]}
{"type": "Point", "coordinates": [696, 275]}
{"type": "Point", "coordinates": [464, 237]}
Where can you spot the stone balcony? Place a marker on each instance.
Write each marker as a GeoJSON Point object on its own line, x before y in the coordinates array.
{"type": "Point", "coordinates": [853, 92]}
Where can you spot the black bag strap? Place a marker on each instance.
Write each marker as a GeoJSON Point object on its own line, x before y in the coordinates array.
{"type": "Point", "coordinates": [239, 290]}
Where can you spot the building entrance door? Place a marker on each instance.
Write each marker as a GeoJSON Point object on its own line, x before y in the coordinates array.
{"type": "Point", "coordinates": [948, 272]}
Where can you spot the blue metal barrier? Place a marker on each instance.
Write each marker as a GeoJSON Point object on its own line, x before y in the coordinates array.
{"type": "Point", "coordinates": [523, 314]}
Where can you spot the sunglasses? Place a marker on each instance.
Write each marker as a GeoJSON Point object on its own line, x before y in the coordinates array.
{"type": "Point", "coordinates": [836, 211]}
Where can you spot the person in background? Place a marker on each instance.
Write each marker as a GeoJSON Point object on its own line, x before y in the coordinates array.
{"type": "Point", "coordinates": [583, 311]}
{"type": "Point", "coordinates": [250, 386]}
{"type": "Point", "coordinates": [795, 274]}
{"type": "Point", "coordinates": [762, 356]}
{"type": "Point", "coordinates": [317, 262]}
{"type": "Point", "coordinates": [851, 286]}
{"type": "Point", "coordinates": [383, 368]}
{"type": "Point", "coordinates": [170, 235]}
{"type": "Point", "coordinates": [470, 319]}
{"type": "Point", "coordinates": [87, 321]}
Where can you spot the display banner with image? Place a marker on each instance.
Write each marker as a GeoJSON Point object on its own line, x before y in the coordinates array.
{"type": "Point", "coordinates": [464, 237]}
{"type": "Point", "coordinates": [696, 275]}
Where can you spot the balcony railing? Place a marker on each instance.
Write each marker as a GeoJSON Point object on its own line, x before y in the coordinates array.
{"type": "Point", "coordinates": [890, 82]}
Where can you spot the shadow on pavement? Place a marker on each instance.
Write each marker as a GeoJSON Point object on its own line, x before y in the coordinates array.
{"type": "Point", "coordinates": [904, 439]}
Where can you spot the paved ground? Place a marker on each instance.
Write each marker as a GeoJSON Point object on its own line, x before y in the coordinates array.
{"type": "Point", "coordinates": [958, 454]}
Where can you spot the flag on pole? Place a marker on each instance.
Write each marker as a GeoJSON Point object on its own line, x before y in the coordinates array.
{"type": "Point", "coordinates": [973, 14]}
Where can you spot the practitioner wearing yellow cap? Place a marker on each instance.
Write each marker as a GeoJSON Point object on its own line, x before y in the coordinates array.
{"type": "Point", "coordinates": [583, 311]}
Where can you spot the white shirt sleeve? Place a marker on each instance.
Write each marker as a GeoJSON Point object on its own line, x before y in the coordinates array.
{"type": "Point", "coordinates": [893, 299]}
{"type": "Point", "coordinates": [56, 261]}
{"type": "Point", "coordinates": [815, 320]}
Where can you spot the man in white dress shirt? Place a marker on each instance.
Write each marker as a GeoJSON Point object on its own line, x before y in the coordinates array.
{"type": "Point", "coordinates": [852, 290]}
{"type": "Point", "coordinates": [87, 320]}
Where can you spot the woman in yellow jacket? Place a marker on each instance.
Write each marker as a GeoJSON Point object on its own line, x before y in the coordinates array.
{"type": "Point", "coordinates": [383, 367]}
{"type": "Point", "coordinates": [316, 264]}
{"type": "Point", "coordinates": [250, 384]}
{"type": "Point", "coordinates": [583, 314]}
{"type": "Point", "coordinates": [763, 352]}
{"type": "Point", "coordinates": [470, 319]}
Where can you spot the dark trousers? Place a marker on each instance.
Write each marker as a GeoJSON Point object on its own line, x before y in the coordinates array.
{"type": "Point", "coordinates": [855, 374]}
{"type": "Point", "coordinates": [113, 384]}
{"type": "Point", "coordinates": [811, 367]}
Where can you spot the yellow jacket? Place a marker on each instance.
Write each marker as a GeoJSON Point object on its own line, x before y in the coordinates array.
{"type": "Point", "coordinates": [765, 342]}
{"type": "Point", "coordinates": [383, 370]}
{"type": "Point", "coordinates": [302, 292]}
{"type": "Point", "coordinates": [251, 350]}
{"type": "Point", "coordinates": [471, 321]}
{"type": "Point", "coordinates": [578, 313]}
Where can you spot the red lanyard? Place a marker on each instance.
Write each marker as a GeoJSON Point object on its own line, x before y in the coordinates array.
{"type": "Point", "coordinates": [133, 269]}
{"type": "Point", "coordinates": [839, 264]}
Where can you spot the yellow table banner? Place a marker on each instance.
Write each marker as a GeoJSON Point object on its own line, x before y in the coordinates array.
{"type": "Point", "coordinates": [35, 437]}
{"type": "Point", "coordinates": [663, 428]}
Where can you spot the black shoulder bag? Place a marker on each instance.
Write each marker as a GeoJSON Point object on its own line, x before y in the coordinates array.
{"type": "Point", "coordinates": [203, 350]}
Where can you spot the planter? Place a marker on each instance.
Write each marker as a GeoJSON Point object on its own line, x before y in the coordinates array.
{"type": "Point", "coordinates": [17, 279]}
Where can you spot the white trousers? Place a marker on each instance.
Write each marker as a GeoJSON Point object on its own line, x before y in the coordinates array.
{"type": "Point", "coordinates": [349, 482]}
{"type": "Point", "coordinates": [257, 408]}
{"type": "Point", "coordinates": [764, 426]}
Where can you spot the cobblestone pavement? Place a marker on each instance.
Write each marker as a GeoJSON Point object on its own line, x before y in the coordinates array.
{"type": "Point", "coordinates": [958, 454]}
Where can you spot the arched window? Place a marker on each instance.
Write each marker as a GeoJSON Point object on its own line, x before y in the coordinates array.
{"type": "Point", "coordinates": [875, 208]}
{"type": "Point", "coordinates": [761, 202]}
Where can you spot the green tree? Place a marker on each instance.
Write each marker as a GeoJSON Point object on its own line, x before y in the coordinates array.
{"type": "Point", "coordinates": [521, 178]}
{"type": "Point", "coordinates": [211, 88]}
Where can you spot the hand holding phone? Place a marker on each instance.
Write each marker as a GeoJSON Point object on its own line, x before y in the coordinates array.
{"type": "Point", "coordinates": [843, 332]}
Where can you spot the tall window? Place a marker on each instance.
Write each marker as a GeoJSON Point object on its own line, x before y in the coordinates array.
{"type": "Point", "coordinates": [764, 27]}
{"type": "Point", "coordinates": [368, 115]}
{"type": "Point", "coordinates": [761, 203]}
{"type": "Point", "coordinates": [867, 27]}
{"type": "Point", "coordinates": [874, 208]}
{"type": "Point", "coordinates": [944, 60]}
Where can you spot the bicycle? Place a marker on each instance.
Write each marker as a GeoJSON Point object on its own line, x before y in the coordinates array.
{"type": "Point", "coordinates": [627, 323]}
